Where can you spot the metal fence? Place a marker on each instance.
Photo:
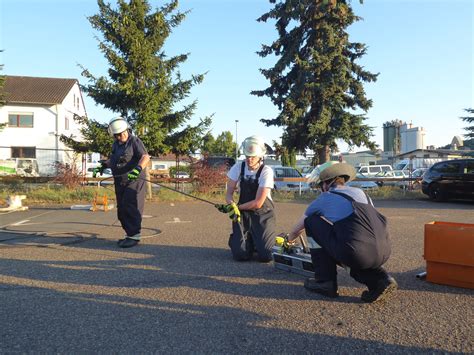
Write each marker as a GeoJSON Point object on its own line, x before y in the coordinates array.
{"type": "Point", "coordinates": [43, 160]}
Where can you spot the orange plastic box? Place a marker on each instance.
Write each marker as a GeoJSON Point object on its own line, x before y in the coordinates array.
{"type": "Point", "coordinates": [449, 253]}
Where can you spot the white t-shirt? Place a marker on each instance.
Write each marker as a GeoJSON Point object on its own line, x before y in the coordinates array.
{"type": "Point", "coordinates": [265, 180]}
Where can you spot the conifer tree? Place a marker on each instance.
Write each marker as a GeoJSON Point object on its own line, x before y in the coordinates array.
{"type": "Point", "coordinates": [316, 83]}
{"type": "Point", "coordinates": [469, 119]}
{"type": "Point", "coordinates": [144, 85]}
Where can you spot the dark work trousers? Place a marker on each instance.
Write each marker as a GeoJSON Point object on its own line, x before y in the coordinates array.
{"type": "Point", "coordinates": [130, 202]}
{"type": "Point", "coordinates": [359, 241]}
{"type": "Point", "coordinates": [256, 230]}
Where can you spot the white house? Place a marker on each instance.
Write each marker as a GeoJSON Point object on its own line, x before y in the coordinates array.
{"type": "Point", "coordinates": [37, 111]}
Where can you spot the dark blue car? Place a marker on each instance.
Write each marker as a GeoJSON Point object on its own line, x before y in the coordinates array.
{"type": "Point", "coordinates": [450, 179]}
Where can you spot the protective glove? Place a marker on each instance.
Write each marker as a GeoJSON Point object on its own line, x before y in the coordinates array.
{"type": "Point", "coordinates": [224, 208]}
{"type": "Point", "coordinates": [134, 173]}
{"type": "Point", "coordinates": [99, 170]}
{"type": "Point", "coordinates": [282, 241]}
{"type": "Point", "coordinates": [234, 214]}
{"type": "Point", "coordinates": [231, 209]}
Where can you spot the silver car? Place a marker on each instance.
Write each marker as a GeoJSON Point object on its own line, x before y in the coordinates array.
{"type": "Point", "coordinates": [289, 179]}
{"type": "Point", "coordinates": [362, 184]}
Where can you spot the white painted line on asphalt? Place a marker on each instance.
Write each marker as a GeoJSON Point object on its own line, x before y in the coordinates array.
{"type": "Point", "coordinates": [177, 220]}
{"type": "Point", "coordinates": [38, 215]}
{"type": "Point", "coordinates": [20, 222]}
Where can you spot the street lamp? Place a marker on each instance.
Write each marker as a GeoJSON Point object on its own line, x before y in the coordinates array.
{"type": "Point", "coordinates": [236, 142]}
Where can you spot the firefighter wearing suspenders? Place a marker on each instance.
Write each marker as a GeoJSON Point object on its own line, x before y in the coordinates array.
{"type": "Point", "coordinates": [253, 226]}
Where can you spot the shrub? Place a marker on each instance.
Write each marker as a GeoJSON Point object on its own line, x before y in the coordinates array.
{"type": "Point", "coordinates": [68, 175]}
{"type": "Point", "coordinates": [208, 179]}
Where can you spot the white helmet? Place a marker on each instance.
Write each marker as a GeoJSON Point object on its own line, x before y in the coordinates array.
{"type": "Point", "coordinates": [117, 125]}
{"type": "Point", "coordinates": [254, 146]}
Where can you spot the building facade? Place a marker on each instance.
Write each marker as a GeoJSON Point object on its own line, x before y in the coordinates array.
{"type": "Point", "coordinates": [37, 112]}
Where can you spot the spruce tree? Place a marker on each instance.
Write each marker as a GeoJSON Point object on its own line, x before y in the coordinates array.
{"type": "Point", "coordinates": [143, 85]}
{"type": "Point", "coordinates": [469, 119]}
{"type": "Point", "coordinates": [316, 83]}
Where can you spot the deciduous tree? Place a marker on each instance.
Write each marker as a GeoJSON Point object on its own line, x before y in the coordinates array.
{"type": "Point", "coordinates": [223, 144]}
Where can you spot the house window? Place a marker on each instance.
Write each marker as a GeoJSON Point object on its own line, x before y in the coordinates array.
{"type": "Point", "coordinates": [66, 123]}
{"type": "Point", "coordinates": [20, 120]}
{"type": "Point", "coordinates": [73, 99]}
{"type": "Point", "coordinates": [23, 152]}
{"type": "Point", "coordinates": [77, 103]}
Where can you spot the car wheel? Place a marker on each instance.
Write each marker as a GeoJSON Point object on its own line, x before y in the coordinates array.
{"type": "Point", "coordinates": [435, 193]}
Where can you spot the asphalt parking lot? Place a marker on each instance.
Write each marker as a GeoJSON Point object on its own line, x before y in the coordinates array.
{"type": "Point", "coordinates": [66, 287]}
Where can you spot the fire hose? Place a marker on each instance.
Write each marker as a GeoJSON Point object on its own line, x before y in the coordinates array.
{"type": "Point", "coordinates": [165, 187]}
{"type": "Point", "coordinates": [231, 209]}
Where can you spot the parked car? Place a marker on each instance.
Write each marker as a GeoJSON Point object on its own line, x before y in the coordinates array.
{"type": "Point", "coordinates": [390, 175]}
{"type": "Point", "coordinates": [289, 179]}
{"type": "Point", "coordinates": [105, 179]}
{"type": "Point", "coordinates": [181, 175]}
{"type": "Point", "coordinates": [159, 171]}
{"type": "Point", "coordinates": [417, 175]}
{"type": "Point", "coordinates": [449, 180]}
{"type": "Point", "coordinates": [372, 170]}
{"type": "Point", "coordinates": [362, 184]}
{"type": "Point", "coordinates": [308, 173]}
{"type": "Point", "coordinates": [19, 166]}
{"type": "Point", "coordinates": [215, 162]}
{"type": "Point", "coordinates": [90, 171]}
{"type": "Point", "coordinates": [307, 169]}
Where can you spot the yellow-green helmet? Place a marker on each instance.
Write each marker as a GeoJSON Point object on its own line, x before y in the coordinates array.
{"type": "Point", "coordinates": [330, 170]}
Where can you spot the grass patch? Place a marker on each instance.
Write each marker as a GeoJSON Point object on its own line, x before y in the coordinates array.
{"type": "Point", "coordinates": [395, 193]}
{"type": "Point", "coordinates": [57, 194]}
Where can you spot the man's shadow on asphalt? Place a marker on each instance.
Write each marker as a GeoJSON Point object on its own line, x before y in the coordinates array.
{"type": "Point", "coordinates": [93, 322]}
{"type": "Point", "coordinates": [151, 265]}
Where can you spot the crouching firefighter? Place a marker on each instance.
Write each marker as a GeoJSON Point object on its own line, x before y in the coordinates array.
{"type": "Point", "coordinates": [128, 160]}
{"type": "Point", "coordinates": [253, 226]}
{"type": "Point", "coordinates": [344, 228]}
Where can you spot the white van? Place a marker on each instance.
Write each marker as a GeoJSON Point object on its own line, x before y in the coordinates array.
{"type": "Point", "coordinates": [372, 170]}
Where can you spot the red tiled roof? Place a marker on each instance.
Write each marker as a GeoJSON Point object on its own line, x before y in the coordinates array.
{"type": "Point", "coordinates": [34, 90]}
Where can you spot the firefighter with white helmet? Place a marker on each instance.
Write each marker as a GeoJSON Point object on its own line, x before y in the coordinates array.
{"type": "Point", "coordinates": [253, 227]}
{"type": "Point", "coordinates": [344, 228]}
{"type": "Point", "coordinates": [128, 160]}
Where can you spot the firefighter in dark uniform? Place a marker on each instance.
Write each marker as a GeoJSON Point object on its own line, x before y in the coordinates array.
{"type": "Point", "coordinates": [253, 227]}
{"type": "Point", "coordinates": [128, 160]}
{"type": "Point", "coordinates": [343, 228]}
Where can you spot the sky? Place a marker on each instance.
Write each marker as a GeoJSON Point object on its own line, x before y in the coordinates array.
{"type": "Point", "coordinates": [422, 50]}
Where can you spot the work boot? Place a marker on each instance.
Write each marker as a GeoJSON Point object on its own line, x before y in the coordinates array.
{"type": "Point", "coordinates": [325, 288]}
{"type": "Point", "coordinates": [128, 243]}
{"type": "Point", "coordinates": [381, 291]}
